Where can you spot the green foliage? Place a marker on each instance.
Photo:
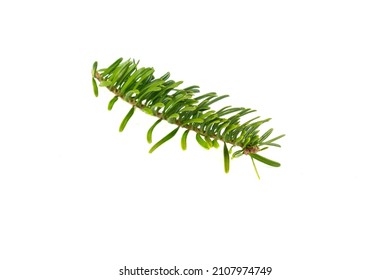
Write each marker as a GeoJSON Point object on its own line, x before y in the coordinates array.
{"type": "Point", "coordinates": [95, 88]}
{"type": "Point", "coordinates": [226, 158]}
{"type": "Point", "coordinates": [184, 140]}
{"type": "Point", "coordinates": [126, 119]}
{"type": "Point", "coordinates": [265, 160]}
{"type": "Point", "coordinates": [202, 142]}
{"type": "Point", "coordinates": [165, 139]}
{"type": "Point", "coordinates": [112, 102]}
{"type": "Point", "coordinates": [254, 166]}
{"type": "Point", "coordinates": [150, 131]}
{"type": "Point", "coordinates": [182, 107]}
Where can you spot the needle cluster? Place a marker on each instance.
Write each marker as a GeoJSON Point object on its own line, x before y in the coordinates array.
{"type": "Point", "coordinates": [187, 109]}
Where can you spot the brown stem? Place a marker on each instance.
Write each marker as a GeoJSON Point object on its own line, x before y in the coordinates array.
{"type": "Point", "coordinates": [247, 150]}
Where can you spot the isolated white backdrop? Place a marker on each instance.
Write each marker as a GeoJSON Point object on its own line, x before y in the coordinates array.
{"type": "Point", "coordinates": [78, 200]}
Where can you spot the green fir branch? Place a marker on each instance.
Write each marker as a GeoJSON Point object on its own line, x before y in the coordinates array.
{"type": "Point", "coordinates": [162, 98]}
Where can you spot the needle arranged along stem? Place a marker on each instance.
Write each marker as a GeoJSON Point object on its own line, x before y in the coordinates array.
{"type": "Point", "coordinates": [161, 98]}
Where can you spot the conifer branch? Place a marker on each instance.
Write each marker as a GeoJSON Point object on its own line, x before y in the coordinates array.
{"type": "Point", "coordinates": [163, 99]}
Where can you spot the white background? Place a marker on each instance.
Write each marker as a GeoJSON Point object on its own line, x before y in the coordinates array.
{"type": "Point", "coordinates": [79, 200]}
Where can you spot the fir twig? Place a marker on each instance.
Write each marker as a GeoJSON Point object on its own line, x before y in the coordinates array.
{"type": "Point", "coordinates": [163, 99]}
